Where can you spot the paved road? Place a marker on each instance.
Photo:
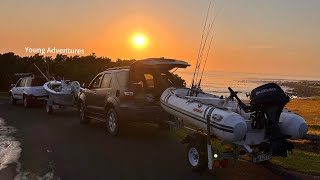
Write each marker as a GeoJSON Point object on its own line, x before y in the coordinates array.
{"type": "Point", "coordinates": [58, 142]}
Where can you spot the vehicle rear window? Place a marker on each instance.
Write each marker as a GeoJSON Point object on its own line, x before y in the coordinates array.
{"type": "Point", "coordinates": [122, 78]}
{"type": "Point", "coordinates": [38, 81]}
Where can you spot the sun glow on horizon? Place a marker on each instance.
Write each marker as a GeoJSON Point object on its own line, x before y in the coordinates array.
{"type": "Point", "coordinates": [139, 41]}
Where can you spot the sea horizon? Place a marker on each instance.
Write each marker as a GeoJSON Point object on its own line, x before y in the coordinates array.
{"type": "Point", "coordinates": [217, 82]}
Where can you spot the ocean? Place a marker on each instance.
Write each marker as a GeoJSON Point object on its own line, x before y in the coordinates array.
{"type": "Point", "coordinates": [217, 82]}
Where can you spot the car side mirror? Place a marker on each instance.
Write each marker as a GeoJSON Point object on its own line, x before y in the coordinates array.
{"type": "Point", "coordinates": [13, 85]}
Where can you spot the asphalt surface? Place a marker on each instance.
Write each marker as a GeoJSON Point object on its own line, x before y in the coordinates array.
{"type": "Point", "coordinates": [59, 144]}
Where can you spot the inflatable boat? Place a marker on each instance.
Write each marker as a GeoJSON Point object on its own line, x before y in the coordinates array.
{"type": "Point", "coordinates": [263, 120]}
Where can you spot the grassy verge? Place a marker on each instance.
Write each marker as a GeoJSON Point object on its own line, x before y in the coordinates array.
{"type": "Point", "coordinates": [309, 109]}
{"type": "Point", "coordinates": [306, 155]}
{"type": "Point", "coordinates": [301, 161]}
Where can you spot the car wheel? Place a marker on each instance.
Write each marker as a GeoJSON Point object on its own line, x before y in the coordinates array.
{"type": "Point", "coordinates": [48, 108]}
{"type": "Point", "coordinates": [26, 102]}
{"type": "Point", "coordinates": [82, 114]}
{"type": "Point", "coordinates": [13, 101]}
{"type": "Point", "coordinates": [195, 159]}
{"type": "Point", "coordinates": [112, 122]}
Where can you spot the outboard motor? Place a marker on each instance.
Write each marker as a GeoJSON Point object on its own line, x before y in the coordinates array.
{"type": "Point", "coordinates": [267, 103]}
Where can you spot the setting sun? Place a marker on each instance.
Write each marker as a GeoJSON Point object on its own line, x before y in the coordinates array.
{"type": "Point", "coordinates": [139, 40]}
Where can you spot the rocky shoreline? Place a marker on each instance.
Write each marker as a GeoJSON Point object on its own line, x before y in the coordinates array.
{"type": "Point", "coordinates": [302, 89]}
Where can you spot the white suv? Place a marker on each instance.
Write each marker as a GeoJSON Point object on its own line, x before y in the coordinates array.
{"type": "Point", "coordinates": [28, 89]}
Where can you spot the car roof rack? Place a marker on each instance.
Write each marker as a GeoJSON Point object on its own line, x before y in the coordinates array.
{"type": "Point", "coordinates": [118, 68]}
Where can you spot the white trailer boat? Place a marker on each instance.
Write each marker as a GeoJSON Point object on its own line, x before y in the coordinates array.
{"type": "Point", "coordinates": [260, 127]}
{"type": "Point", "coordinates": [61, 94]}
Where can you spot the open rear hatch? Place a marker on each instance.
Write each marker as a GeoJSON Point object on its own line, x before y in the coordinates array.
{"type": "Point", "coordinates": [150, 77]}
{"type": "Point", "coordinates": [158, 63]}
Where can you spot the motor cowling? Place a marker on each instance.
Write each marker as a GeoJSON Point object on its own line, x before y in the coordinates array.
{"type": "Point", "coordinates": [268, 93]}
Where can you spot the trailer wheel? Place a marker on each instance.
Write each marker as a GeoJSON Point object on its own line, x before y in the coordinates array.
{"type": "Point", "coordinates": [195, 158]}
{"type": "Point", "coordinates": [82, 114]}
{"type": "Point", "coordinates": [48, 108]}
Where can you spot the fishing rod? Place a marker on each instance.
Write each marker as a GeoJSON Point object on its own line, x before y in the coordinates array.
{"type": "Point", "coordinates": [201, 53]}
{"type": "Point", "coordinates": [41, 72]}
{"type": "Point", "coordinates": [203, 48]}
{"type": "Point", "coordinates": [205, 62]}
{"type": "Point", "coordinates": [202, 36]}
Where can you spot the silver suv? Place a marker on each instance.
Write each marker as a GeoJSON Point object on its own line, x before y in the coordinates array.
{"type": "Point", "coordinates": [128, 93]}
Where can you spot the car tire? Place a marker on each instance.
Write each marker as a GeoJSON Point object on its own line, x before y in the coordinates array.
{"type": "Point", "coordinates": [83, 114]}
{"type": "Point", "coordinates": [26, 102]}
{"type": "Point", "coordinates": [49, 109]}
{"type": "Point", "coordinates": [112, 122]}
{"type": "Point", "coordinates": [13, 101]}
{"type": "Point", "coordinates": [196, 159]}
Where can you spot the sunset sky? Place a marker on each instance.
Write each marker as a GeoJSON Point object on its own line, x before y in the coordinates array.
{"type": "Point", "coordinates": [278, 37]}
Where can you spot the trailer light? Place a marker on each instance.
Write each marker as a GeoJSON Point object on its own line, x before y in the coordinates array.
{"type": "Point", "coordinates": [215, 155]}
{"type": "Point", "coordinates": [216, 164]}
{"type": "Point", "coordinates": [224, 163]}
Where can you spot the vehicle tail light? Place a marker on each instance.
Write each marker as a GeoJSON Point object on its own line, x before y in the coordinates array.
{"type": "Point", "coordinates": [224, 163]}
{"type": "Point", "coordinates": [216, 164]}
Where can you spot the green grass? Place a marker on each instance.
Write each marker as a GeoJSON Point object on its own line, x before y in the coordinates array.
{"type": "Point", "coordinates": [309, 109]}
{"type": "Point", "coordinates": [301, 161]}
{"type": "Point", "coordinates": [306, 155]}
{"type": "Point", "coordinates": [178, 134]}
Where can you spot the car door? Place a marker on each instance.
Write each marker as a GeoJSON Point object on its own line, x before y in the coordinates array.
{"type": "Point", "coordinates": [14, 90]}
{"type": "Point", "coordinates": [103, 93]}
{"type": "Point", "coordinates": [18, 90]}
{"type": "Point", "coordinates": [91, 93]}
